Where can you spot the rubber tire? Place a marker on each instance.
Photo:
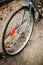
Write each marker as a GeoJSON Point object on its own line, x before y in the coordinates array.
{"type": "Point", "coordinates": [6, 29]}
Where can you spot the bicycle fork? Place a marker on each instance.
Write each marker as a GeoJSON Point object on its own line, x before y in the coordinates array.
{"type": "Point", "coordinates": [29, 16]}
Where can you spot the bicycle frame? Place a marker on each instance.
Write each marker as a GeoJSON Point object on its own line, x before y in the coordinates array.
{"type": "Point", "coordinates": [33, 3]}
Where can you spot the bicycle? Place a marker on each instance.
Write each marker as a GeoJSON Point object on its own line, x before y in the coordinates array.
{"type": "Point", "coordinates": [19, 29]}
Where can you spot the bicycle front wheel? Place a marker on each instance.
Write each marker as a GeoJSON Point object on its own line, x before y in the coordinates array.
{"type": "Point", "coordinates": [17, 31]}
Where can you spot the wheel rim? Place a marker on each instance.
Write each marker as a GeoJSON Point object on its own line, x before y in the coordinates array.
{"type": "Point", "coordinates": [24, 43]}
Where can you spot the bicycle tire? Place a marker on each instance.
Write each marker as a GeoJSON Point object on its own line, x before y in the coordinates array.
{"type": "Point", "coordinates": [25, 43]}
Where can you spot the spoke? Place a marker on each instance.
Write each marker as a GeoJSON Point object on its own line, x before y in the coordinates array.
{"type": "Point", "coordinates": [15, 28]}
{"type": "Point", "coordinates": [23, 13]}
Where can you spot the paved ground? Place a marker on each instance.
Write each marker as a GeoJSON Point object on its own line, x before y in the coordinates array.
{"type": "Point", "coordinates": [33, 52]}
